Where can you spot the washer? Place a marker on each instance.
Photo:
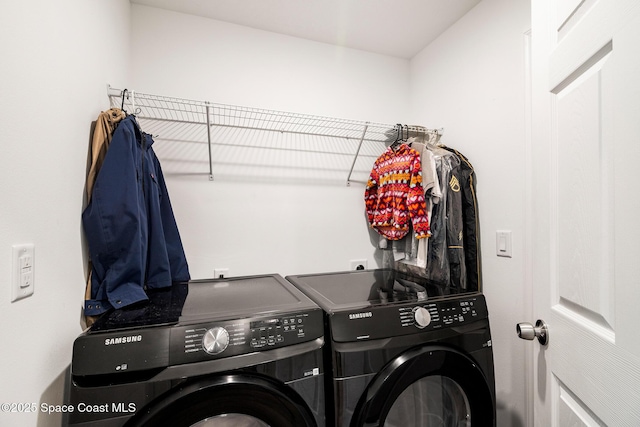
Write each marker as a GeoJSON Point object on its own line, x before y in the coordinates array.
{"type": "Point", "coordinates": [245, 351]}
{"type": "Point", "coordinates": [402, 353]}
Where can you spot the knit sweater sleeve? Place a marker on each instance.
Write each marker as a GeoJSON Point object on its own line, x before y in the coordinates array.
{"type": "Point", "coordinates": [415, 201]}
{"type": "Point", "coordinates": [371, 194]}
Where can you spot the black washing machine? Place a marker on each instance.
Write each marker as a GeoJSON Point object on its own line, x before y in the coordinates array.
{"type": "Point", "coordinates": [403, 352]}
{"type": "Point", "coordinates": [238, 352]}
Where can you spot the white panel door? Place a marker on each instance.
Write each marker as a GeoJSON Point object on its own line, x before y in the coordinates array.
{"type": "Point", "coordinates": [585, 189]}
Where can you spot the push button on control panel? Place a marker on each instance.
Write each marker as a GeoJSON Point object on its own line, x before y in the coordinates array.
{"type": "Point", "coordinates": [276, 331]}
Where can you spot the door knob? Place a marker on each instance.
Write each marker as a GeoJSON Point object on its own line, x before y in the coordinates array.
{"type": "Point", "coordinates": [527, 331]}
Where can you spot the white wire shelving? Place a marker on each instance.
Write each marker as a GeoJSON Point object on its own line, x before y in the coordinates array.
{"type": "Point", "coordinates": [233, 138]}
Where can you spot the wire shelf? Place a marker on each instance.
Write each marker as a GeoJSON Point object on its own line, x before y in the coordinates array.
{"type": "Point", "coordinates": [193, 127]}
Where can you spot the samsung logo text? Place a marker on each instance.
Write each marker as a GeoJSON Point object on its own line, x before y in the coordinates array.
{"type": "Point", "coordinates": [362, 315]}
{"type": "Point", "coordinates": [123, 340]}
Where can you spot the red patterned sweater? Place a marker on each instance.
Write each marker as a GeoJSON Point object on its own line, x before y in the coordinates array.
{"type": "Point", "coordinates": [394, 194]}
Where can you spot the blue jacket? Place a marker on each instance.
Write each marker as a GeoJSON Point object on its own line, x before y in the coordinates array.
{"type": "Point", "coordinates": [131, 232]}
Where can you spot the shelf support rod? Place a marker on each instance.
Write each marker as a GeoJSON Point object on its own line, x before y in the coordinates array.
{"type": "Point", "coordinates": [364, 132]}
{"type": "Point", "coordinates": [209, 143]}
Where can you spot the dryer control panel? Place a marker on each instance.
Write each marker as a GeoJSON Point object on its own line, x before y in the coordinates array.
{"type": "Point", "coordinates": [390, 320]}
{"type": "Point", "coordinates": [441, 313]}
{"type": "Point", "coordinates": [208, 341]}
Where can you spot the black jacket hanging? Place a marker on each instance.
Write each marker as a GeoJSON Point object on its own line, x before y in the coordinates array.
{"type": "Point", "coordinates": [471, 222]}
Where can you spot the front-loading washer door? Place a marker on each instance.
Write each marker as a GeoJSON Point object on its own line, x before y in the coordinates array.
{"type": "Point", "coordinates": [430, 386]}
{"type": "Point", "coordinates": [237, 400]}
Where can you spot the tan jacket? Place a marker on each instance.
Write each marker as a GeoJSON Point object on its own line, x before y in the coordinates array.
{"type": "Point", "coordinates": [105, 125]}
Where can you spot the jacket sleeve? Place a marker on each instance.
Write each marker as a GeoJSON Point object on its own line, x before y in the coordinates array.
{"type": "Point", "coordinates": [113, 227]}
{"type": "Point", "coordinates": [415, 201]}
{"type": "Point", "coordinates": [371, 194]}
{"type": "Point", "coordinates": [173, 256]}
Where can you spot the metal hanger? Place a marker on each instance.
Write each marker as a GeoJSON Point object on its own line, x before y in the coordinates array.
{"type": "Point", "coordinates": [394, 144]}
{"type": "Point", "coordinates": [125, 93]}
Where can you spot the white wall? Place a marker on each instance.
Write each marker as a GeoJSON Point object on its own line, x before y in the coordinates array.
{"type": "Point", "coordinates": [471, 81]}
{"type": "Point", "coordinates": [253, 226]}
{"type": "Point", "coordinates": [56, 58]}
{"type": "Point", "coordinates": [197, 58]}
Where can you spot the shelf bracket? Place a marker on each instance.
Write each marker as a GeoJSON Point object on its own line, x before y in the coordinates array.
{"type": "Point", "coordinates": [209, 142]}
{"type": "Point", "coordinates": [355, 157]}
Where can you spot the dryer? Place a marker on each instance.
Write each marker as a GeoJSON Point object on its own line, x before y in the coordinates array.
{"type": "Point", "coordinates": [244, 351]}
{"type": "Point", "coordinates": [401, 352]}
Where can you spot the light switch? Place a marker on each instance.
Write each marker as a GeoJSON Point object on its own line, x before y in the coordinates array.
{"type": "Point", "coordinates": [503, 243]}
{"type": "Point", "coordinates": [22, 271]}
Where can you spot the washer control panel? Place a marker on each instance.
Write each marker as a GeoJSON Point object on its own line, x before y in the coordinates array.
{"type": "Point", "coordinates": [214, 340]}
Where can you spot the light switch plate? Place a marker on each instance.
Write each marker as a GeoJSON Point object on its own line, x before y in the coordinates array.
{"type": "Point", "coordinates": [503, 243]}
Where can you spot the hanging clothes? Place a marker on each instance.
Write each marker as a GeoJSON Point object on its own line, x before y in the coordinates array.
{"type": "Point", "coordinates": [450, 258]}
{"type": "Point", "coordinates": [394, 196]}
{"type": "Point", "coordinates": [102, 133]}
{"type": "Point", "coordinates": [437, 269]}
{"type": "Point", "coordinates": [471, 222]}
{"type": "Point", "coordinates": [100, 140]}
{"type": "Point", "coordinates": [440, 259]}
{"type": "Point", "coordinates": [446, 258]}
{"type": "Point", "coordinates": [133, 239]}
{"type": "Point", "coordinates": [455, 228]}
{"type": "Point", "coordinates": [432, 196]}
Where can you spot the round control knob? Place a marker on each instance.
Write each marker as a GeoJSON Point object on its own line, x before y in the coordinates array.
{"type": "Point", "coordinates": [215, 340]}
{"type": "Point", "coordinates": [422, 317]}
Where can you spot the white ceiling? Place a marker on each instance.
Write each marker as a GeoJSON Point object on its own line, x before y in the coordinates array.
{"type": "Point", "coordinates": [400, 28]}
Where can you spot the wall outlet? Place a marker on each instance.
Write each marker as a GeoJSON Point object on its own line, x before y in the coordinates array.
{"type": "Point", "coordinates": [22, 271]}
{"type": "Point", "coordinates": [358, 264]}
{"type": "Point", "coordinates": [220, 273]}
